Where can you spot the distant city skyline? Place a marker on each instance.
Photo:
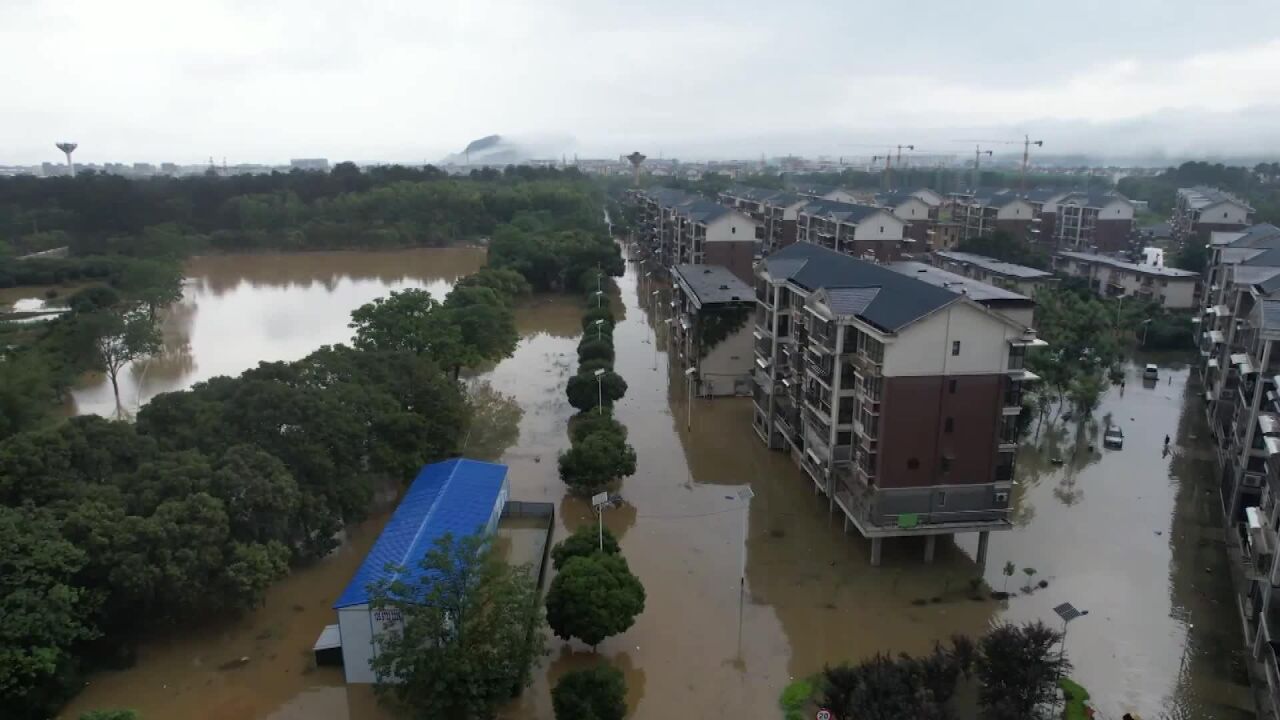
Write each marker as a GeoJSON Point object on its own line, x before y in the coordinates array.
{"type": "Point", "coordinates": [158, 82]}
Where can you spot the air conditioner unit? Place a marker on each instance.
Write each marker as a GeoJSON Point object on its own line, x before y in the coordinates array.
{"type": "Point", "coordinates": [1253, 480]}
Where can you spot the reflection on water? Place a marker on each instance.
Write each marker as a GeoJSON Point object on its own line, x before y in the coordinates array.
{"type": "Point", "coordinates": [239, 310]}
{"type": "Point", "coordinates": [1127, 534]}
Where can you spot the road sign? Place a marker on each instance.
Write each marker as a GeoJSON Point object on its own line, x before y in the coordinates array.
{"type": "Point", "coordinates": [599, 500]}
{"type": "Point", "coordinates": [823, 714]}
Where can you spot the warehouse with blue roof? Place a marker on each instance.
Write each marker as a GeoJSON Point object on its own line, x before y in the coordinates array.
{"type": "Point", "coordinates": [458, 497]}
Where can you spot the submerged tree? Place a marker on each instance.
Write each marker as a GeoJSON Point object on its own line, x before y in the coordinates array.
{"type": "Point", "coordinates": [586, 540]}
{"type": "Point", "coordinates": [1019, 667]}
{"type": "Point", "coordinates": [597, 693]}
{"type": "Point", "coordinates": [599, 459]}
{"type": "Point", "coordinates": [593, 597]}
{"type": "Point", "coordinates": [121, 338]}
{"type": "Point", "coordinates": [465, 641]}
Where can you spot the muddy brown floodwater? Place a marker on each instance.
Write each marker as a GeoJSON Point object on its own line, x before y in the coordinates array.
{"type": "Point", "coordinates": [1130, 535]}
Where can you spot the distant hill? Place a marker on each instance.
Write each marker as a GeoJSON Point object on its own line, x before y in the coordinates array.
{"type": "Point", "coordinates": [489, 150]}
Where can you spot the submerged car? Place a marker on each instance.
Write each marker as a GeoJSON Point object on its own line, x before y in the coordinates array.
{"type": "Point", "coordinates": [1151, 372]}
{"type": "Point", "coordinates": [1113, 437]}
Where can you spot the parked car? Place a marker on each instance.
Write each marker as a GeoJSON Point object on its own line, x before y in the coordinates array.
{"type": "Point", "coordinates": [1113, 437]}
{"type": "Point", "coordinates": [1151, 372]}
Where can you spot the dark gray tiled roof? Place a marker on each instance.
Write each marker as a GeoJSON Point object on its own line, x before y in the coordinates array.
{"type": "Point", "coordinates": [1259, 236]}
{"type": "Point", "coordinates": [851, 301]}
{"type": "Point", "coordinates": [993, 265]}
{"type": "Point", "coordinates": [1093, 198]}
{"type": "Point", "coordinates": [839, 211]}
{"type": "Point", "coordinates": [975, 289]}
{"type": "Point", "coordinates": [705, 211]}
{"type": "Point", "coordinates": [713, 284]}
{"type": "Point", "coordinates": [899, 299]}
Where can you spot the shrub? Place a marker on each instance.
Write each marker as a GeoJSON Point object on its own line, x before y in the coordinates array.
{"type": "Point", "coordinates": [593, 350]}
{"type": "Point", "coordinates": [593, 598]}
{"type": "Point", "coordinates": [598, 693]}
{"type": "Point", "coordinates": [588, 466]}
{"type": "Point", "coordinates": [587, 424]}
{"type": "Point", "coordinates": [597, 313]}
{"type": "Point", "coordinates": [584, 541]}
{"type": "Point", "coordinates": [586, 391]}
{"type": "Point", "coordinates": [589, 367]}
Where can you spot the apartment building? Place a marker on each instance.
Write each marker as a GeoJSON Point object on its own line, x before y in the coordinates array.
{"type": "Point", "coordinates": [1172, 288]}
{"type": "Point", "coordinates": [1200, 211]}
{"type": "Point", "coordinates": [712, 328]}
{"type": "Point", "coordinates": [774, 210]}
{"type": "Point", "coordinates": [1010, 276]}
{"type": "Point", "coordinates": [1239, 360]}
{"type": "Point", "coordinates": [863, 231]}
{"type": "Point", "coordinates": [919, 209]}
{"type": "Point", "coordinates": [981, 213]}
{"type": "Point", "coordinates": [1095, 221]}
{"type": "Point", "coordinates": [895, 389]}
{"type": "Point", "coordinates": [1044, 204]}
{"type": "Point", "coordinates": [682, 228]}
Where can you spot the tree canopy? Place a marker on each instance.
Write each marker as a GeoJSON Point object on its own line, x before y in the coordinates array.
{"type": "Point", "coordinates": [466, 642]}
{"type": "Point", "coordinates": [596, 693]}
{"type": "Point", "coordinates": [593, 597]}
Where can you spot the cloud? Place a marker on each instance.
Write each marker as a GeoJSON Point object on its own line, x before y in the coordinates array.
{"type": "Point", "coordinates": [400, 80]}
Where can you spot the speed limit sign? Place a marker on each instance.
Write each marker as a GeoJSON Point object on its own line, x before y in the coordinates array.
{"type": "Point", "coordinates": [823, 714]}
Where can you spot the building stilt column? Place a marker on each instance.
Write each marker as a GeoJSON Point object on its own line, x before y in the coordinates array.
{"type": "Point", "coordinates": [983, 537]}
{"type": "Point", "coordinates": [930, 545]}
{"type": "Point", "coordinates": [875, 551]}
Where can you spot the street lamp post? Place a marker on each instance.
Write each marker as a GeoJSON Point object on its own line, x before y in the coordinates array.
{"type": "Point", "coordinates": [599, 325]}
{"type": "Point", "coordinates": [599, 296]}
{"type": "Point", "coordinates": [1067, 612]}
{"type": "Point", "coordinates": [688, 381]}
{"type": "Point", "coordinates": [745, 495]}
{"type": "Point", "coordinates": [1146, 325]}
{"type": "Point", "coordinates": [599, 391]}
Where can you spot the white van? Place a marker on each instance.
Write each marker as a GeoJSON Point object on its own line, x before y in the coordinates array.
{"type": "Point", "coordinates": [1151, 372]}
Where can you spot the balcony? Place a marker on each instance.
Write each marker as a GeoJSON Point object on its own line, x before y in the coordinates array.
{"type": "Point", "coordinates": [820, 369]}
{"type": "Point", "coordinates": [865, 365]}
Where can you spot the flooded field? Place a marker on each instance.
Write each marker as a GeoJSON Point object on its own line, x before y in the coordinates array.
{"type": "Point", "coordinates": [1132, 535]}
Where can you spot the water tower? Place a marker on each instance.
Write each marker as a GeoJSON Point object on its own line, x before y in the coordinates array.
{"type": "Point", "coordinates": [635, 158]}
{"type": "Point", "coordinates": [68, 148]}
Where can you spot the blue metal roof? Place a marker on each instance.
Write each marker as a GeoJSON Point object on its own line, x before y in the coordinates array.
{"type": "Point", "coordinates": [455, 496]}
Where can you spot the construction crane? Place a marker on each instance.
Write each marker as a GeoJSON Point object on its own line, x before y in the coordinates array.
{"type": "Point", "coordinates": [978, 152]}
{"type": "Point", "coordinates": [1026, 142]}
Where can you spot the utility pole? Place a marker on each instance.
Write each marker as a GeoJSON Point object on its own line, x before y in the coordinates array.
{"type": "Point", "coordinates": [1027, 142]}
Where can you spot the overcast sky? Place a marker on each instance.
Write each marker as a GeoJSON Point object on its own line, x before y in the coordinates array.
{"type": "Point", "coordinates": [263, 81]}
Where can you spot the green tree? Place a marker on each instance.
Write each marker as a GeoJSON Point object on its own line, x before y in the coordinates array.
{"type": "Point", "coordinates": [594, 597]}
{"type": "Point", "coordinates": [588, 466]}
{"type": "Point", "coordinates": [493, 421]}
{"type": "Point", "coordinates": [153, 283]}
{"type": "Point", "coordinates": [485, 323]}
{"type": "Point", "coordinates": [42, 611]}
{"type": "Point", "coordinates": [586, 424]}
{"type": "Point", "coordinates": [597, 693]}
{"type": "Point", "coordinates": [509, 283]}
{"type": "Point", "coordinates": [26, 393]}
{"type": "Point", "coordinates": [1019, 667]}
{"type": "Point", "coordinates": [585, 390]}
{"type": "Point", "coordinates": [121, 338]}
{"type": "Point", "coordinates": [464, 643]}
{"type": "Point", "coordinates": [584, 541]}
{"type": "Point", "coordinates": [592, 349]}
{"type": "Point", "coordinates": [407, 320]}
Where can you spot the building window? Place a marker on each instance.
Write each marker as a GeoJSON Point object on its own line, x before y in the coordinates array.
{"type": "Point", "coordinates": [913, 464]}
{"type": "Point", "coordinates": [882, 229]}
{"type": "Point", "coordinates": [733, 231]}
{"type": "Point", "coordinates": [942, 498]}
{"type": "Point", "coordinates": [955, 347]}
{"type": "Point", "coordinates": [949, 425]}
{"type": "Point", "coordinates": [951, 387]}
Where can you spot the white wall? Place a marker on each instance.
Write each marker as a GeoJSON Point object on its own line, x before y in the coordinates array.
{"type": "Point", "coordinates": [1016, 210]}
{"type": "Point", "coordinates": [929, 196]}
{"type": "Point", "coordinates": [732, 226]}
{"type": "Point", "coordinates": [1224, 213]}
{"type": "Point", "coordinates": [1116, 210]}
{"type": "Point", "coordinates": [878, 226]}
{"type": "Point", "coordinates": [731, 360]}
{"type": "Point", "coordinates": [357, 643]}
{"type": "Point", "coordinates": [924, 347]}
{"type": "Point", "coordinates": [913, 210]}
{"type": "Point", "coordinates": [843, 196]}
{"type": "Point", "coordinates": [1179, 294]}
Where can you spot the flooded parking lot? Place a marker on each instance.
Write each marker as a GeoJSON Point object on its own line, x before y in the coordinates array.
{"type": "Point", "coordinates": [1132, 535]}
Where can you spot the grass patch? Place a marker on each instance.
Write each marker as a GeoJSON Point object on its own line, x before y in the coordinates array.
{"type": "Point", "coordinates": [1076, 699]}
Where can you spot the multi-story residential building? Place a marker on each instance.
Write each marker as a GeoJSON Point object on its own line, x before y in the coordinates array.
{"type": "Point", "coordinates": [863, 231]}
{"type": "Point", "coordinates": [981, 213]}
{"type": "Point", "coordinates": [774, 210]}
{"type": "Point", "coordinates": [1172, 288]}
{"type": "Point", "coordinates": [918, 209]}
{"type": "Point", "coordinates": [897, 395]}
{"type": "Point", "coordinates": [658, 221]}
{"type": "Point", "coordinates": [1239, 360]}
{"type": "Point", "coordinates": [712, 328]}
{"type": "Point", "coordinates": [1199, 211]}
{"type": "Point", "coordinates": [1099, 221]}
{"type": "Point", "coordinates": [708, 233]}
{"type": "Point", "coordinates": [1018, 278]}
{"type": "Point", "coordinates": [1044, 204]}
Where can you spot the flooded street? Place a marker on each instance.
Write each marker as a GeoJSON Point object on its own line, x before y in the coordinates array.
{"type": "Point", "coordinates": [1129, 535]}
